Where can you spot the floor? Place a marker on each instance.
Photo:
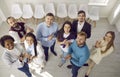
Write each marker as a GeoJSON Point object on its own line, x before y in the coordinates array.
{"type": "Point", "coordinates": [108, 67]}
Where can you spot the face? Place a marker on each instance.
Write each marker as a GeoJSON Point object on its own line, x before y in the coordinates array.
{"type": "Point", "coordinates": [29, 40]}
{"type": "Point", "coordinates": [81, 17]}
{"type": "Point", "coordinates": [49, 20]}
{"type": "Point", "coordinates": [67, 28]}
{"type": "Point", "coordinates": [11, 21]}
{"type": "Point", "coordinates": [80, 40]}
{"type": "Point", "coordinates": [9, 44]}
{"type": "Point", "coordinates": [108, 37]}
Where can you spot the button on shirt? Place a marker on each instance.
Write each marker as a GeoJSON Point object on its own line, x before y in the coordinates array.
{"type": "Point", "coordinates": [43, 32]}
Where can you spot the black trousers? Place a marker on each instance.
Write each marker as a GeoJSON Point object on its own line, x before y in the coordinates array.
{"type": "Point", "coordinates": [46, 51]}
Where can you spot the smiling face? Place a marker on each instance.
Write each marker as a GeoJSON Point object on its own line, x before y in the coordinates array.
{"type": "Point", "coordinates": [108, 37]}
{"type": "Point", "coordinates": [11, 21]}
{"type": "Point", "coordinates": [67, 28]}
{"type": "Point", "coordinates": [49, 20]}
{"type": "Point", "coordinates": [29, 40]}
{"type": "Point", "coordinates": [81, 17]}
{"type": "Point", "coordinates": [80, 40]}
{"type": "Point", "coordinates": [9, 44]}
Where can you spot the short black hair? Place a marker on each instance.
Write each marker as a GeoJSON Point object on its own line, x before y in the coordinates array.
{"type": "Point", "coordinates": [4, 38]}
{"type": "Point", "coordinates": [81, 11]}
{"type": "Point", "coordinates": [50, 14]}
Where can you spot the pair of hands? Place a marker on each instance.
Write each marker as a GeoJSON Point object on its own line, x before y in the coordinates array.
{"type": "Point", "coordinates": [25, 55]}
{"type": "Point", "coordinates": [50, 37]}
{"type": "Point", "coordinates": [98, 44]}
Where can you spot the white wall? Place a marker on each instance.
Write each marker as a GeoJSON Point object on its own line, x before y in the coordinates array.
{"type": "Point", "coordinates": [118, 24]}
{"type": "Point", "coordinates": [6, 4]}
{"type": "Point", "coordinates": [112, 18]}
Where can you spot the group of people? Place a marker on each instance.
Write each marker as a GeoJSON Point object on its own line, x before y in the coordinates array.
{"type": "Point", "coordinates": [24, 50]}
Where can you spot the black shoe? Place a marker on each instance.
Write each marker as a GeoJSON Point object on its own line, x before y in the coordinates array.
{"type": "Point", "coordinates": [46, 59]}
{"type": "Point", "coordinates": [55, 53]}
{"type": "Point", "coordinates": [86, 75]}
{"type": "Point", "coordinates": [69, 66]}
{"type": "Point", "coordinates": [86, 64]}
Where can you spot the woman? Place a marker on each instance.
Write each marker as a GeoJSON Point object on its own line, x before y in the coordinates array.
{"type": "Point", "coordinates": [33, 48]}
{"type": "Point", "coordinates": [64, 38]}
{"type": "Point", "coordinates": [14, 54]}
{"type": "Point", "coordinates": [102, 48]}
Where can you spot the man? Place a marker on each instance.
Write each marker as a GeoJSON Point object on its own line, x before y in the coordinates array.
{"type": "Point", "coordinates": [78, 53]}
{"type": "Point", "coordinates": [18, 30]}
{"type": "Point", "coordinates": [46, 34]}
{"type": "Point", "coordinates": [81, 24]}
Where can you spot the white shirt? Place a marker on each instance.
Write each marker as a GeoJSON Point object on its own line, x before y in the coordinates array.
{"type": "Point", "coordinates": [80, 26]}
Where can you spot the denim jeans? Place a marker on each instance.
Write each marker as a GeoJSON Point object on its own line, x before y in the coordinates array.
{"type": "Point", "coordinates": [63, 57]}
{"type": "Point", "coordinates": [75, 70]}
{"type": "Point", "coordinates": [25, 69]}
{"type": "Point", "coordinates": [46, 51]}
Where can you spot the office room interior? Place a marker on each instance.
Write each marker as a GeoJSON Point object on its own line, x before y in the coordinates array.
{"type": "Point", "coordinates": [102, 15]}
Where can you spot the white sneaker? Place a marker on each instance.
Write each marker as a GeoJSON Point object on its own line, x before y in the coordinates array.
{"type": "Point", "coordinates": [33, 75]}
{"type": "Point", "coordinates": [11, 75]}
{"type": "Point", "coordinates": [38, 71]}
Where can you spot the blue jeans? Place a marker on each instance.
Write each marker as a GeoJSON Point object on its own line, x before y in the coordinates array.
{"type": "Point", "coordinates": [75, 70]}
{"type": "Point", "coordinates": [63, 57]}
{"type": "Point", "coordinates": [25, 69]}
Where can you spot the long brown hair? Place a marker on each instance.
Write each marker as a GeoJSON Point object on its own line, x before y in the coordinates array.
{"type": "Point", "coordinates": [111, 43]}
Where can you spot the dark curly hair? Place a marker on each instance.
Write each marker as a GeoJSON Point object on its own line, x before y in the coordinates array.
{"type": "Point", "coordinates": [4, 38]}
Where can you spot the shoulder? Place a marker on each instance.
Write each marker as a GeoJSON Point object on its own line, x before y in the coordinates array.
{"type": "Point", "coordinates": [86, 23]}
{"type": "Point", "coordinates": [55, 24]}
{"type": "Point", "coordinates": [75, 21]}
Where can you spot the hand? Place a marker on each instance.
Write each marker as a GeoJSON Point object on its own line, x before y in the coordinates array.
{"type": "Point", "coordinates": [50, 37]}
{"type": "Point", "coordinates": [98, 44]}
{"type": "Point", "coordinates": [68, 57]}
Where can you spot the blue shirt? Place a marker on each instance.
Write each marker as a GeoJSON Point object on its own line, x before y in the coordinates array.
{"type": "Point", "coordinates": [79, 55]}
{"type": "Point", "coordinates": [43, 32]}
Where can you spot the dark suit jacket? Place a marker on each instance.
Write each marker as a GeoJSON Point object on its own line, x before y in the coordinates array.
{"type": "Point", "coordinates": [86, 28]}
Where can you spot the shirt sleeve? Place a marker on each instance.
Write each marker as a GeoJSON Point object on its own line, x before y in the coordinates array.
{"type": "Point", "coordinates": [15, 36]}
{"type": "Point", "coordinates": [70, 50]}
{"type": "Point", "coordinates": [39, 35]}
{"type": "Point", "coordinates": [109, 51]}
{"type": "Point", "coordinates": [12, 64]}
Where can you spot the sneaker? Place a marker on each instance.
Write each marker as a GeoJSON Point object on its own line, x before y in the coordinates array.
{"type": "Point", "coordinates": [86, 64]}
{"type": "Point", "coordinates": [69, 66]}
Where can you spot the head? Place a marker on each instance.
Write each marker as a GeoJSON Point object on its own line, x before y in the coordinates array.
{"type": "Point", "coordinates": [11, 21]}
{"type": "Point", "coordinates": [109, 36]}
{"type": "Point", "coordinates": [30, 38]}
{"type": "Point", "coordinates": [66, 28]}
{"type": "Point", "coordinates": [7, 42]}
{"type": "Point", "coordinates": [49, 18]}
{"type": "Point", "coordinates": [81, 16]}
{"type": "Point", "coordinates": [81, 38]}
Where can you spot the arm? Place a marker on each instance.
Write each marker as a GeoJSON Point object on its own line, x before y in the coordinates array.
{"type": "Point", "coordinates": [13, 64]}
{"type": "Point", "coordinates": [28, 29]}
{"type": "Point", "coordinates": [15, 36]}
{"type": "Point", "coordinates": [39, 36]}
{"type": "Point", "coordinates": [70, 50]}
{"type": "Point", "coordinates": [109, 51]}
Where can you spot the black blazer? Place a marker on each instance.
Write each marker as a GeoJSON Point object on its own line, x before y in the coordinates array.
{"type": "Point", "coordinates": [86, 28]}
